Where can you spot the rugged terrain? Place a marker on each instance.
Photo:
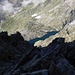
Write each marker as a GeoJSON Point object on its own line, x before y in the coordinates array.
{"type": "Point", "coordinates": [48, 16]}
{"type": "Point", "coordinates": [37, 38]}
{"type": "Point", "coordinates": [18, 57]}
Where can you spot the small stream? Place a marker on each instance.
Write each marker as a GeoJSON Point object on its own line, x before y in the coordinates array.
{"type": "Point", "coordinates": [32, 41]}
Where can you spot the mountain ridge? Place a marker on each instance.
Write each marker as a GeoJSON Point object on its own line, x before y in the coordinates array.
{"type": "Point", "coordinates": [53, 15]}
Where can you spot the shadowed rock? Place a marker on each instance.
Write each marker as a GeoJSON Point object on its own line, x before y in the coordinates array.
{"type": "Point", "coordinates": [55, 59]}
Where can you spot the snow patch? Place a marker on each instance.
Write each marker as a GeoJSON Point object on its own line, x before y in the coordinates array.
{"type": "Point", "coordinates": [37, 17]}
{"type": "Point", "coordinates": [34, 15]}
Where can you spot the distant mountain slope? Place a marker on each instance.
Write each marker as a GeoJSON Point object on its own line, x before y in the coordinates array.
{"type": "Point", "coordinates": [51, 15]}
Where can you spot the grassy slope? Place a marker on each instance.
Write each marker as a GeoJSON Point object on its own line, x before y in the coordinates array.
{"type": "Point", "coordinates": [23, 18]}
{"type": "Point", "coordinates": [53, 16]}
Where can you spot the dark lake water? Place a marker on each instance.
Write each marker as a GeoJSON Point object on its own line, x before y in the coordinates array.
{"type": "Point", "coordinates": [32, 41]}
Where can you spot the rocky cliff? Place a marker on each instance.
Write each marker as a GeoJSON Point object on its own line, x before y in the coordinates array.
{"type": "Point", "coordinates": [18, 57]}
{"type": "Point", "coordinates": [52, 22]}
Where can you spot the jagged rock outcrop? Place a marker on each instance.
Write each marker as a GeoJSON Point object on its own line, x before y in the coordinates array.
{"type": "Point", "coordinates": [18, 57]}
{"type": "Point", "coordinates": [11, 50]}
{"type": "Point", "coordinates": [52, 56]}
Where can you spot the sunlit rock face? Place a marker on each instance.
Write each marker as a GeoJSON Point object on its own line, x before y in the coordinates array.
{"type": "Point", "coordinates": [36, 18]}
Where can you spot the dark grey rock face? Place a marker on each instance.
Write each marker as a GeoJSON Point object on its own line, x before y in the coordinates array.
{"type": "Point", "coordinates": [18, 57]}
{"type": "Point", "coordinates": [64, 67]}
{"type": "Point", "coordinates": [11, 49]}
